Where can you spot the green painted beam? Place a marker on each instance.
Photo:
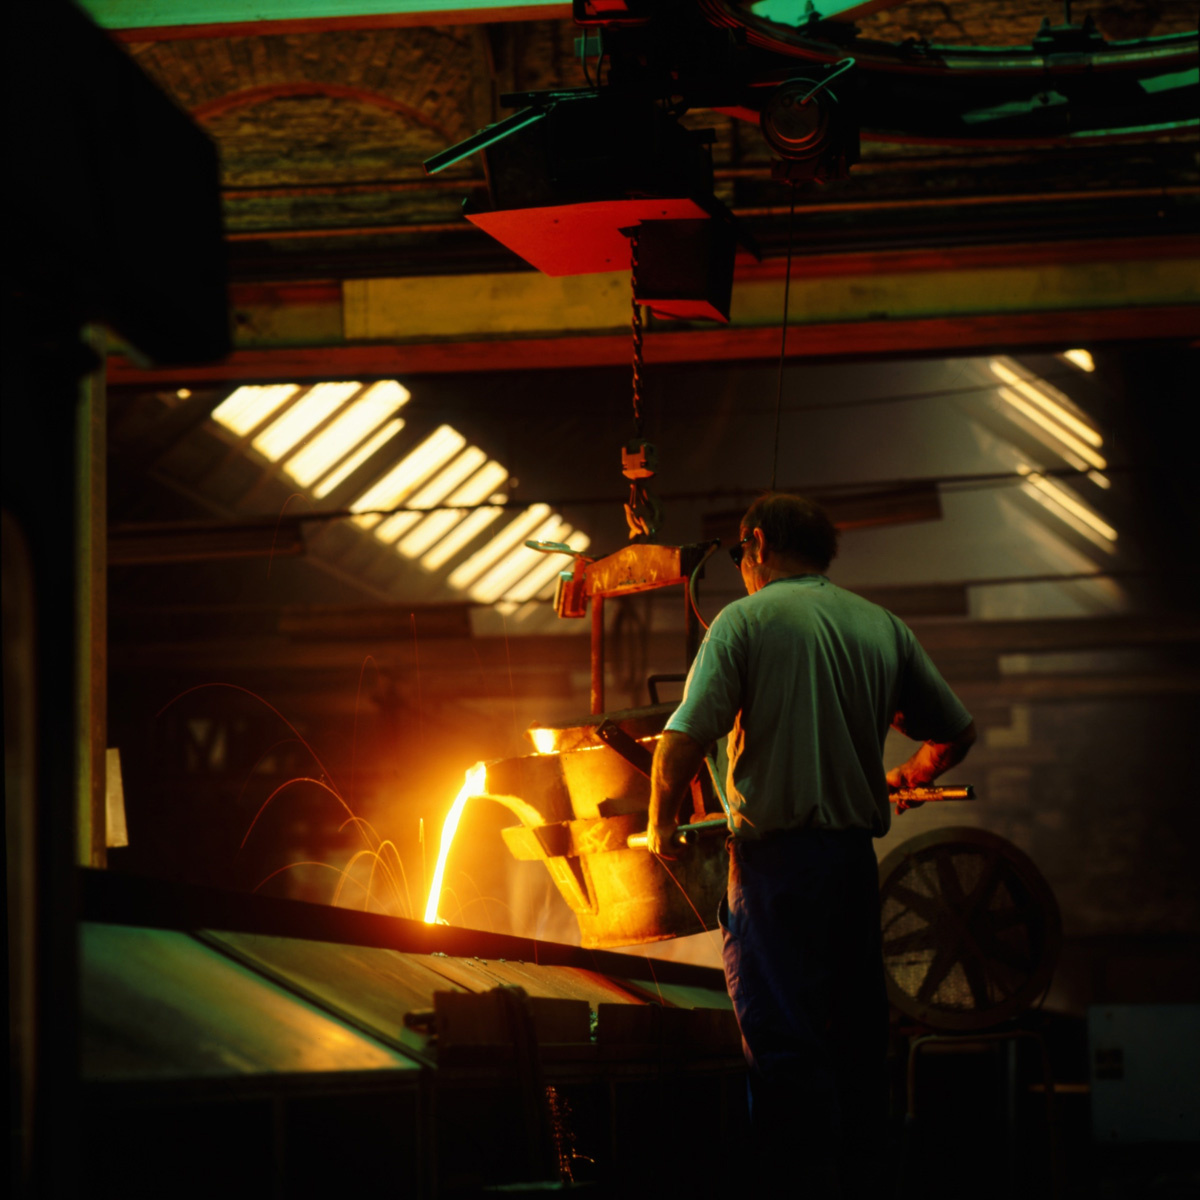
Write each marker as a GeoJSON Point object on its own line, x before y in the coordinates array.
{"type": "Point", "coordinates": [174, 14]}
{"type": "Point", "coordinates": [182, 14]}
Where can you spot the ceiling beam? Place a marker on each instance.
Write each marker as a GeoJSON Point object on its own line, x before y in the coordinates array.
{"type": "Point", "coordinates": [168, 20]}
{"type": "Point", "coordinates": [848, 339]}
{"type": "Point", "coordinates": [175, 20]}
{"type": "Point", "coordinates": [468, 658]}
{"type": "Point", "coordinates": [966, 299]}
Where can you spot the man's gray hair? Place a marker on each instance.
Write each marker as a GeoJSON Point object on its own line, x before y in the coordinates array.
{"type": "Point", "coordinates": [795, 526]}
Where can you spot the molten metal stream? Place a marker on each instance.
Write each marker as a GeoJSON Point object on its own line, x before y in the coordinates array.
{"type": "Point", "coordinates": [474, 784]}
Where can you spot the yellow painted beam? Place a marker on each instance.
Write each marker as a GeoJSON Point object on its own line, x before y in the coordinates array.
{"type": "Point", "coordinates": [471, 306]}
{"type": "Point", "coordinates": [966, 292]}
{"type": "Point", "coordinates": [879, 303]}
{"type": "Point", "coordinates": [452, 306]}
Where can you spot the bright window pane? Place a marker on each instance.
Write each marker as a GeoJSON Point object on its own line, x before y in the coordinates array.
{"type": "Point", "coordinates": [436, 490]}
{"type": "Point", "coordinates": [317, 405]}
{"type": "Point", "coordinates": [461, 535]}
{"type": "Point", "coordinates": [432, 493]}
{"type": "Point", "coordinates": [476, 489]}
{"type": "Point", "coordinates": [518, 562]}
{"type": "Point", "coordinates": [501, 544]}
{"type": "Point", "coordinates": [349, 465]}
{"type": "Point", "coordinates": [398, 484]}
{"type": "Point", "coordinates": [365, 415]}
{"type": "Point", "coordinates": [1048, 399]}
{"type": "Point", "coordinates": [248, 407]}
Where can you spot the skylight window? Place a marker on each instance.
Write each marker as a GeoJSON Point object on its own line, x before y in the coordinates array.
{"type": "Point", "coordinates": [320, 436]}
{"type": "Point", "coordinates": [244, 410]}
{"type": "Point", "coordinates": [513, 567]}
{"type": "Point", "coordinates": [438, 524]}
{"type": "Point", "coordinates": [1067, 506]}
{"type": "Point", "coordinates": [399, 483]}
{"type": "Point", "coordinates": [547, 571]}
{"type": "Point", "coordinates": [348, 466]}
{"type": "Point", "coordinates": [507, 539]}
{"type": "Point", "coordinates": [366, 415]}
{"type": "Point", "coordinates": [316, 406]}
{"type": "Point", "coordinates": [434, 492]}
{"type": "Point", "coordinates": [1070, 437]}
{"type": "Point", "coordinates": [1078, 449]}
{"type": "Point", "coordinates": [461, 536]}
{"type": "Point", "coordinates": [1081, 359]}
{"type": "Point", "coordinates": [1050, 400]}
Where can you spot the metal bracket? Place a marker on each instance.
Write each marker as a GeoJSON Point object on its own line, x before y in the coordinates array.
{"type": "Point", "coordinates": [633, 752]}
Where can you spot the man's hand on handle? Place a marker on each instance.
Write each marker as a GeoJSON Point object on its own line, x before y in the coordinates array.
{"type": "Point", "coordinates": [930, 761]}
{"type": "Point", "coordinates": [677, 758]}
{"type": "Point", "coordinates": [660, 839]}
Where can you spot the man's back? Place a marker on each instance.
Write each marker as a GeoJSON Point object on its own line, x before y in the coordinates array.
{"type": "Point", "coordinates": [809, 676]}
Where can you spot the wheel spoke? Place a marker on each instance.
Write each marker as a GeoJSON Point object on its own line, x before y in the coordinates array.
{"type": "Point", "coordinates": [948, 880]}
{"type": "Point", "coordinates": [938, 970]}
{"type": "Point", "coordinates": [981, 893]}
{"type": "Point", "coordinates": [976, 974]}
{"type": "Point", "coordinates": [924, 906]}
{"type": "Point", "coordinates": [906, 943]}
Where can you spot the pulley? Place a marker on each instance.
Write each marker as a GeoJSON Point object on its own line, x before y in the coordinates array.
{"type": "Point", "coordinates": [811, 127]}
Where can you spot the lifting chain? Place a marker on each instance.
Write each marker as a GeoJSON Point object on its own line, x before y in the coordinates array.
{"type": "Point", "coordinates": [643, 512]}
{"type": "Point", "coordinates": [636, 325]}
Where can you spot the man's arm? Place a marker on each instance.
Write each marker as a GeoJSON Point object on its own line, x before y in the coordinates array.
{"type": "Point", "coordinates": [677, 758]}
{"type": "Point", "coordinates": [932, 759]}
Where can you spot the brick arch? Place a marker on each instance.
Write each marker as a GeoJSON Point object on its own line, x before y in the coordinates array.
{"type": "Point", "coordinates": [252, 96]}
{"type": "Point", "coordinates": [431, 72]}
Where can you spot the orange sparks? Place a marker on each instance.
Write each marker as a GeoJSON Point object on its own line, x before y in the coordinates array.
{"type": "Point", "coordinates": [473, 785]}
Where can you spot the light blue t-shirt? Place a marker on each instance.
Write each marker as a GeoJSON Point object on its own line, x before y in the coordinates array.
{"type": "Point", "coordinates": [809, 677]}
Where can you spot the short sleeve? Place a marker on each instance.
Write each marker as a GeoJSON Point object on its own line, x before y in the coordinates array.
{"type": "Point", "coordinates": [712, 696]}
{"type": "Point", "coordinates": [927, 709]}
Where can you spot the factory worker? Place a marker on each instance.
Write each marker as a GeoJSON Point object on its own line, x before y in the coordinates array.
{"type": "Point", "coordinates": [806, 679]}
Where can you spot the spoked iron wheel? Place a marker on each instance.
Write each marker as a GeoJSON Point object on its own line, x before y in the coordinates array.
{"type": "Point", "coordinates": [971, 930]}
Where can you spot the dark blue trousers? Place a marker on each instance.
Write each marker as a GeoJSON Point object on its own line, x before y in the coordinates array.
{"type": "Point", "coordinates": [804, 967]}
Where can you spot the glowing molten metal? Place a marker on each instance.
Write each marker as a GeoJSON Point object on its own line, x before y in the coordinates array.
{"type": "Point", "coordinates": [473, 785]}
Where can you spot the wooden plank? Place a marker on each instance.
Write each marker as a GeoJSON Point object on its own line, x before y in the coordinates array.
{"type": "Point", "coordinates": [465, 663]}
{"type": "Point", "coordinates": [358, 623]}
{"type": "Point", "coordinates": [1062, 633]}
{"type": "Point", "coordinates": [972, 258]}
{"type": "Point", "coordinates": [1082, 687]}
{"type": "Point", "coordinates": [921, 600]}
{"type": "Point", "coordinates": [864, 510]}
{"type": "Point", "coordinates": [180, 543]}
